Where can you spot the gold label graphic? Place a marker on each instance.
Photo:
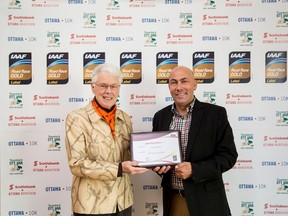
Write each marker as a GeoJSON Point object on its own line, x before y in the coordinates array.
{"type": "Point", "coordinates": [131, 67]}
{"type": "Point", "coordinates": [90, 61]}
{"type": "Point", "coordinates": [57, 68]}
{"type": "Point", "coordinates": [203, 67]}
{"type": "Point", "coordinates": [276, 67]}
{"type": "Point", "coordinates": [239, 67]}
{"type": "Point", "coordinates": [20, 68]}
{"type": "Point", "coordinates": [166, 62]}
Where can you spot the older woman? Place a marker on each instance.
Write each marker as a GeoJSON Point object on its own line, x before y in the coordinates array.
{"type": "Point", "coordinates": [97, 144]}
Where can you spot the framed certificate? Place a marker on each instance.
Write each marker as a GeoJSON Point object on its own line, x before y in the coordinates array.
{"type": "Point", "coordinates": [159, 148]}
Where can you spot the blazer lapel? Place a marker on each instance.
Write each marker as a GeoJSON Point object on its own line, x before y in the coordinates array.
{"type": "Point", "coordinates": [197, 115]}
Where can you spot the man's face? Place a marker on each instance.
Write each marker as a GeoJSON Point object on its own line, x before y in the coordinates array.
{"type": "Point", "coordinates": [106, 89]}
{"type": "Point", "coordinates": [182, 86]}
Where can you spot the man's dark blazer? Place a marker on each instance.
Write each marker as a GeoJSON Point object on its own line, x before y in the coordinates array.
{"type": "Point", "coordinates": [211, 151]}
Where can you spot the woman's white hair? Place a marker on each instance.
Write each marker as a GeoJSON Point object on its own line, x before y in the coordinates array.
{"type": "Point", "coordinates": [106, 68]}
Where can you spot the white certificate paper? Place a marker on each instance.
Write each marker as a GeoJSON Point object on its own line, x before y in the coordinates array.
{"type": "Point", "coordinates": [159, 148]}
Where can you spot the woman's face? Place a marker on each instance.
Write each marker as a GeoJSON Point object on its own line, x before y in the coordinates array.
{"type": "Point", "coordinates": [106, 89]}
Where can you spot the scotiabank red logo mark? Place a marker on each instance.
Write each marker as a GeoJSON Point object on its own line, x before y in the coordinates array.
{"type": "Point", "coordinates": [11, 118]}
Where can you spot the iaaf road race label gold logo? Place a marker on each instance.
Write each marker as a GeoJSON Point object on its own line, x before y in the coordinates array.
{"type": "Point", "coordinates": [165, 63]}
{"type": "Point", "coordinates": [276, 67]}
{"type": "Point", "coordinates": [20, 68]}
{"type": "Point", "coordinates": [239, 67]}
{"type": "Point", "coordinates": [57, 68]}
{"type": "Point", "coordinates": [203, 67]}
{"type": "Point", "coordinates": [90, 61]}
{"type": "Point", "coordinates": [131, 67]}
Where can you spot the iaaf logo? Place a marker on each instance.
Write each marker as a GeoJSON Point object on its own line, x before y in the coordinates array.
{"type": "Point", "coordinates": [165, 56]}
{"type": "Point", "coordinates": [201, 55]}
{"type": "Point", "coordinates": [274, 55]}
{"type": "Point", "coordinates": [18, 56]}
{"type": "Point", "coordinates": [55, 56]}
{"type": "Point", "coordinates": [129, 56]}
{"type": "Point", "coordinates": [92, 56]}
{"type": "Point", "coordinates": [237, 55]}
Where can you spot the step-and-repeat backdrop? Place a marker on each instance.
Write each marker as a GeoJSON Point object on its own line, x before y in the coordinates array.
{"type": "Point", "coordinates": [236, 48]}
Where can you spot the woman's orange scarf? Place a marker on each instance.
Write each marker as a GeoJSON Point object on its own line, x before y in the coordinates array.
{"type": "Point", "coordinates": [107, 115]}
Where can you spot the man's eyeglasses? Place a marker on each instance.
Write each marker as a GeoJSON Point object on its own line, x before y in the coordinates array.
{"type": "Point", "coordinates": [104, 86]}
